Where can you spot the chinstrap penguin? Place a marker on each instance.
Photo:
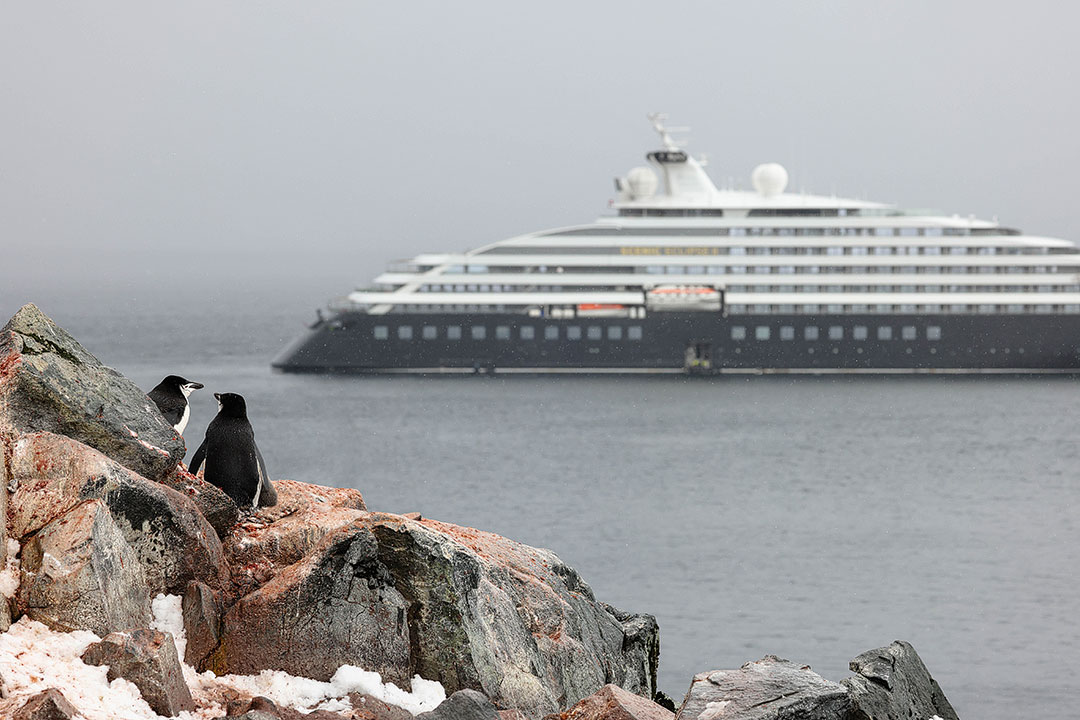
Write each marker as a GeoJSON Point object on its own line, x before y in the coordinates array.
{"type": "Point", "coordinates": [233, 461]}
{"type": "Point", "coordinates": [171, 396]}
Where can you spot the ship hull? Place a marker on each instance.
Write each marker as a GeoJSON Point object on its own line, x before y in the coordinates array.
{"type": "Point", "coordinates": [687, 342]}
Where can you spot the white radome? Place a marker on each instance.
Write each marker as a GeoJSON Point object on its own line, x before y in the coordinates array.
{"type": "Point", "coordinates": [642, 182]}
{"type": "Point", "coordinates": [769, 179]}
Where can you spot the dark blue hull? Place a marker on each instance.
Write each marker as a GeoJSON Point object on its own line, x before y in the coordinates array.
{"type": "Point", "coordinates": [687, 342]}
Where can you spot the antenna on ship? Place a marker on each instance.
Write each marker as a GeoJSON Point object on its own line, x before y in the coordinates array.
{"type": "Point", "coordinates": [657, 120]}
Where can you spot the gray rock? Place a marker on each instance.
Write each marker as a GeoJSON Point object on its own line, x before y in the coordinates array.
{"type": "Point", "coordinates": [463, 705]}
{"type": "Point", "coordinates": [202, 623]}
{"type": "Point", "coordinates": [78, 573]}
{"type": "Point", "coordinates": [172, 540]}
{"type": "Point", "coordinates": [48, 381]}
{"type": "Point", "coordinates": [473, 609]}
{"type": "Point", "coordinates": [148, 659]}
{"type": "Point", "coordinates": [611, 702]}
{"type": "Point", "coordinates": [217, 507]}
{"type": "Point", "coordinates": [894, 684]}
{"type": "Point", "coordinates": [767, 689]}
{"type": "Point", "coordinates": [48, 705]}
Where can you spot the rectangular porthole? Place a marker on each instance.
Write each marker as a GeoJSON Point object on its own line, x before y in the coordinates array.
{"type": "Point", "coordinates": [381, 332]}
{"type": "Point", "coordinates": [502, 332]}
{"type": "Point", "coordinates": [429, 332]}
{"type": "Point", "coordinates": [551, 332]}
{"type": "Point", "coordinates": [787, 333]}
{"type": "Point", "coordinates": [908, 332]}
{"type": "Point", "coordinates": [859, 333]}
{"type": "Point", "coordinates": [404, 332]}
{"type": "Point", "coordinates": [884, 332]}
{"type": "Point", "coordinates": [836, 332]}
{"type": "Point", "coordinates": [595, 332]}
{"type": "Point", "coordinates": [479, 332]}
{"type": "Point", "coordinates": [573, 332]}
{"type": "Point", "coordinates": [738, 333]}
{"type": "Point", "coordinates": [528, 332]}
{"type": "Point", "coordinates": [453, 332]}
{"type": "Point", "coordinates": [762, 332]}
{"type": "Point", "coordinates": [614, 332]}
{"type": "Point", "coordinates": [933, 332]}
{"type": "Point", "coordinates": [633, 332]}
{"type": "Point", "coordinates": [810, 332]}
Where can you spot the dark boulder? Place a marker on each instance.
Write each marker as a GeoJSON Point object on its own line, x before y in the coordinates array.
{"type": "Point", "coordinates": [148, 659]}
{"type": "Point", "coordinates": [463, 705]}
{"type": "Point", "coordinates": [767, 689]}
{"type": "Point", "coordinates": [893, 684]}
{"type": "Point", "coordinates": [202, 623]}
{"type": "Point", "coordinates": [49, 382]}
{"type": "Point", "coordinates": [47, 705]}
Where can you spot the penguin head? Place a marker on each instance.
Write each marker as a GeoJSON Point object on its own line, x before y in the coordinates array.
{"type": "Point", "coordinates": [179, 384]}
{"type": "Point", "coordinates": [231, 405]}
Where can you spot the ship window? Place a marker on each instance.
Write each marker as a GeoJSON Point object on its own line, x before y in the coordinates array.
{"type": "Point", "coordinates": [528, 332]}
{"type": "Point", "coordinates": [404, 332]}
{"type": "Point", "coordinates": [859, 332]}
{"type": "Point", "coordinates": [762, 332]}
{"type": "Point", "coordinates": [453, 332]}
{"type": "Point", "coordinates": [614, 332]}
{"type": "Point", "coordinates": [810, 332]}
{"type": "Point", "coordinates": [551, 332]}
{"type": "Point", "coordinates": [573, 332]}
{"type": "Point", "coordinates": [429, 332]}
{"type": "Point", "coordinates": [908, 332]}
{"type": "Point", "coordinates": [502, 332]}
{"type": "Point", "coordinates": [382, 332]}
{"type": "Point", "coordinates": [933, 332]}
{"type": "Point", "coordinates": [595, 332]}
{"type": "Point", "coordinates": [884, 332]}
{"type": "Point", "coordinates": [836, 332]}
{"type": "Point", "coordinates": [479, 332]}
{"type": "Point", "coordinates": [787, 333]}
{"type": "Point", "coordinates": [633, 332]}
{"type": "Point", "coordinates": [738, 332]}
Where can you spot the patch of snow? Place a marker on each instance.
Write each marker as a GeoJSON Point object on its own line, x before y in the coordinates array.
{"type": "Point", "coordinates": [169, 617]}
{"type": "Point", "coordinates": [9, 576]}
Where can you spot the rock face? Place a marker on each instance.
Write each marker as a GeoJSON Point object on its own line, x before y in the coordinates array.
{"type": "Point", "coordinates": [611, 702]}
{"type": "Point", "coordinates": [148, 659]}
{"type": "Point", "coordinates": [767, 689]}
{"type": "Point", "coordinates": [172, 540]}
{"type": "Point", "coordinates": [202, 623]}
{"type": "Point", "coordinates": [893, 684]}
{"type": "Point", "coordinates": [472, 609]}
{"type": "Point", "coordinates": [78, 572]}
{"type": "Point", "coordinates": [48, 705]}
{"type": "Point", "coordinates": [462, 705]}
{"type": "Point", "coordinates": [217, 507]}
{"type": "Point", "coordinates": [48, 381]}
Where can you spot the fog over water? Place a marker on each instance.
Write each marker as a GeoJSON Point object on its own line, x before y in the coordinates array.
{"type": "Point", "coordinates": [182, 185]}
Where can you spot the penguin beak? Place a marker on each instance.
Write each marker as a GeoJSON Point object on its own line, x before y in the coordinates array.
{"type": "Point", "coordinates": [195, 386]}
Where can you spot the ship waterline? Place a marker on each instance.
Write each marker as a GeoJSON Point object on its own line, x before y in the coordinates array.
{"type": "Point", "coordinates": [691, 278]}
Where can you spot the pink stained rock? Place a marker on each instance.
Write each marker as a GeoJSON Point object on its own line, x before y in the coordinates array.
{"type": "Point", "coordinates": [148, 659]}
{"type": "Point", "coordinates": [611, 702]}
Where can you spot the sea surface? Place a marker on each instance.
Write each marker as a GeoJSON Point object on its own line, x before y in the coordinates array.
{"type": "Point", "coordinates": [810, 518]}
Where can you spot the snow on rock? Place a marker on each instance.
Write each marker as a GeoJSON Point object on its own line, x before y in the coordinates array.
{"type": "Point", "coordinates": [9, 575]}
{"type": "Point", "coordinates": [169, 618]}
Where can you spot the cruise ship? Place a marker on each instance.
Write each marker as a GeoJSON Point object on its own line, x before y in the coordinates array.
{"type": "Point", "coordinates": [685, 277]}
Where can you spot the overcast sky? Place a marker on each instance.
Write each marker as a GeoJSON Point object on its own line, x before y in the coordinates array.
{"type": "Point", "coordinates": [294, 148]}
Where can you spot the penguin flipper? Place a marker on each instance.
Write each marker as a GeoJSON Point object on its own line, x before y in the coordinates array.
{"type": "Point", "coordinates": [266, 496]}
{"type": "Point", "coordinates": [197, 459]}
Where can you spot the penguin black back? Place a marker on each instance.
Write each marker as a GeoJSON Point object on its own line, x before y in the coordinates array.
{"type": "Point", "coordinates": [233, 461]}
{"type": "Point", "coordinates": [170, 395]}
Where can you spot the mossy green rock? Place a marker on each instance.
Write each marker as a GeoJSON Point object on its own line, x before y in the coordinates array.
{"type": "Point", "coordinates": [48, 381]}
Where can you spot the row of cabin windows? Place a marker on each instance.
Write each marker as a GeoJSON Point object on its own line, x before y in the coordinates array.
{"type": "Point", "coordinates": [904, 309]}
{"type": "Point", "coordinates": [669, 250]}
{"type": "Point", "coordinates": [836, 332]}
{"type": "Point", "coordinates": [504, 332]}
{"type": "Point", "coordinates": [681, 269]}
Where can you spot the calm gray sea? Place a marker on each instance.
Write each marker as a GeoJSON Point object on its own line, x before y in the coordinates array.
{"type": "Point", "coordinates": [808, 518]}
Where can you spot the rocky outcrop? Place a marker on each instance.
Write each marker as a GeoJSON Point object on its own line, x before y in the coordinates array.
{"type": "Point", "coordinates": [463, 705]}
{"type": "Point", "coordinates": [767, 689]}
{"type": "Point", "coordinates": [49, 382]}
{"type": "Point", "coordinates": [202, 612]}
{"type": "Point", "coordinates": [78, 572]}
{"type": "Point", "coordinates": [611, 702]}
{"type": "Point", "coordinates": [217, 507]}
{"type": "Point", "coordinates": [470, 608]}
{"type": "Point", "coordinates": [892, 683]}
{"type": "Point", "coordinates": [47, 705]}
{"type": "Point", "coordinates": [173, 541]}
{"type": "Point", "coordinates": [146, 658]}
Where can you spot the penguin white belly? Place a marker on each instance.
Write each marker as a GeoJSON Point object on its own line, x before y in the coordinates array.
{"type": "Point", "coordinates": [179, 427]}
